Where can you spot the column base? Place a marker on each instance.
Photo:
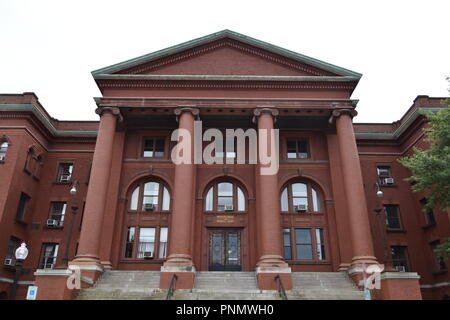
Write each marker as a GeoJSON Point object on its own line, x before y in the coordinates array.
{"type": "Point", "coordinates": [399, 286]}
{"type": "Point", "coordinates": [185, 277]}
{"type": "Point", "coordinates": [266, 277]}
{"type": "Point", "coordinates": [363, 261]}
{"type": "Point", "coordinates": [344, 267]}
{"type": "Point", "coordinates": [179, 260]}
{"type": "Point", "coordinates": [272, 261]}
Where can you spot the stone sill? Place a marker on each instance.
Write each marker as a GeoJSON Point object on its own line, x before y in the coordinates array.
{"type": "Point", "coordinates": [62, 183]}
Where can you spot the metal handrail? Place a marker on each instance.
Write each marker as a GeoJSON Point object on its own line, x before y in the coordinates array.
{"type": "Point", "coordinates": [171, 287]}
{"type": "Point", "coordinates": [281, 287]}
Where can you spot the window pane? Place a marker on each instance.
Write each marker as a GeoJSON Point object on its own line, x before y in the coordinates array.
{"type": "Point", "coordinates": [291, 150]}
{"type": "Point", "coordinates": [209, 200]}
{"type": "Point", "coordinates": [58, 210]}
{"type": "Point", "coordinates": [148, 148]}
{"type": "Point", "coordinates": [304, 252]}
{"type": "Point", "coordinates": [134, 199]}
{"type": "Point", "coordinates": [384, 172]}
{"type": "Point", "coordinates": [299, 190]}
{"type": "Point", "coordinates": [241, 200]}
{"type": "Point", "coordinates": [298, 201]}
{"type": "Point", "coordinates": [399, 258]}
{"type": "Point", "coordinates": [320, 244]}
{"type": "Point", "coordinates": [287, 250]}
{"type": "Point", "coordinates": [162, 243]}
{"type": "Point", "coordinates": [224, 201]}
{"type": "Point", "coordinates": [315, 200]}
{"type": "Point", "coordinates": [392, 216]}
{"type": "Point", "coordinates": [302, 149]}
{"type": "Point", "coordinates": [159, 148]}
{"type": "Point", "coordinates": [146, 242]}
{"type": "Point", "coordinates": [130, 242]}
{"type": "Point", "coordinates": [225, 189]}
{"type": "Point", "coordinates": [284, 200]}
{"type": "Point", "coordinates": [166, 199]}
{"type": "Point", "coordinates": [151, 189]}
{"type": "Point", "coordinates": [303, 236]}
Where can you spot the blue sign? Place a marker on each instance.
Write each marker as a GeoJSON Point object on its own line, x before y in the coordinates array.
{"type": "Point", "coordinates": [32, 292]}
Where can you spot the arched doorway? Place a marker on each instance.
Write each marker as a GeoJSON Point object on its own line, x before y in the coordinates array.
{"type": "Point", "coordinates": [225, 233]}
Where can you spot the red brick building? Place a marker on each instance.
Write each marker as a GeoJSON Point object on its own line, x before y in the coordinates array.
{"type": "Point", "coordinates": [137, 210]}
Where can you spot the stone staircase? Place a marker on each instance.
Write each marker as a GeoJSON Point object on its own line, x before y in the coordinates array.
{"type": "Point", "coordinates": [323, 286]}
{"type": "Point", "coordinates": [144, 285]}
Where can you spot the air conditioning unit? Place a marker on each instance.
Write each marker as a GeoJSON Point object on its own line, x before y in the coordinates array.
{"type": "Point", "coordinates": [52, 223]}
{"type": "Point", "coordinates": [149, 206]}
{"type": "Point", "coordinates": [400, 268]}
{"type": "Point", "coordinates": [148, 254]}
{"type": "Point", "coordinates": [388, 181]}
{"type": "Point", "coordinates": [8, 262]}
{"type": "Point", "coordinates": [2, 157]}
{"type": "Point", "coordinates": [301, 208]}
{"type": "Point", "coordinates": [229, 207]}
{"type": "Point", "coordinates": [48, 266]}
{"type": "Point", "coordinates": [64, 178]}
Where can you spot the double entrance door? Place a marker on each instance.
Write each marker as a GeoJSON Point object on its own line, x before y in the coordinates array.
{"type": "Point", "coordinates": [224, 250]}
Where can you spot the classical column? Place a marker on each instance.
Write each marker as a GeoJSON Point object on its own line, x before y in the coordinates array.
{"type": "Point", "coordinates": [88, 247]}
{"type": "Point", "coordinates": [270, 262]}
{"type": "Point", "coordinates": [179, 261]}
{"type": "Point", "coordinates": [358, 219]}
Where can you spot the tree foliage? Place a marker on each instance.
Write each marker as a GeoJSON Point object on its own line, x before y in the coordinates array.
{"type": "Point", "coordinates": [431, 168]}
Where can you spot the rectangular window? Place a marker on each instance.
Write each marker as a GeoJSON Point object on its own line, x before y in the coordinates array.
{"type": "Point", "coordinates": [304, 244]}
{"type": "Point", "coordinates": [163, 236]}
{"type": "Point", "coordinates": [429, 214]}
{"type": "Point", "coordinates": [383, 172]}
{"type": "Point", "coordinates": [320, 244]}
{"type": "Point", "coordinates": [146, 247]}
{"type": "Point", "coordinates": [48, 255]}
{"type": "Point", "coordinates": [65, 172]}
{"type": "Point", "coordinates": [287, 248]}
{"type": "Point", "coordinates": [400, 258]}
{"type": "Point", "coordinates": [297, 149]}
{"type": "Point", "coordinates": [13, 244]}
{"type": "Point", "coordinates": [20, 214]}
{"type": "Point", "coordinates": [440, 261]}
{"type": "Point", "coordinates": [130, 242]}
{"type": "Point", "coordinates": [392, 213]}
{"type": "Point", "coordinates": [57, 211]}
{"type": "Point", "coordinates": [153, 148]}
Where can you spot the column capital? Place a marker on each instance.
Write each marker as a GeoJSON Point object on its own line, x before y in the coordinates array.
{"type": "Point", "coordinates": [192, 109]}
{"type": "Point", "coordinates": [339, 112]}
{"type": "Point", "coordinates": [115, 111]}
{"type": "Point", "coordinates": [258, 111]}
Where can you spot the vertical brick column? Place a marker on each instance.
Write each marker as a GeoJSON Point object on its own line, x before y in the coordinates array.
{"type": "Point", "coordinates": [179, 261]}
{"type": "Point", "coordinates": [89, 244]}
{"type": "Point", "coordinates": [363, 252]}
{"type": "Point", "coordinates": [270, 262]}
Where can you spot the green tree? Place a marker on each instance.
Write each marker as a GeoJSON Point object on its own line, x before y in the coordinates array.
{"type": "Point", "coordinates": [431, 167]}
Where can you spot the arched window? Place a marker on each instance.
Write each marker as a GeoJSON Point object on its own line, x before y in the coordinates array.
{"type": "Point", "coordinates": [225, 196]}
{"type": "Point", "coordinates": [300, 197]}
{"type": "Point", "coordinates": [150, 196]}
{"type": "Point", "coordinates": [3, 149]}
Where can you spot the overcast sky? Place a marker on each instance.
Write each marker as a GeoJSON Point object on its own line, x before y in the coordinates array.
{"type": "Point", "coordinates": [402, 48]}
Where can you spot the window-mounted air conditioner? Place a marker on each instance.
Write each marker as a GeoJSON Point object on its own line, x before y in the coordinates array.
{"type": "Point", "coordinates": [229, 207]}
{"type": "Point", "coordinates": [400, 268]}
{"type": "Point", "coordinates": [388, 181]}
{"type": "Point", "coordinates": [2, 157]}
{"type": "Point", "coordinates": [149, 207]}
{"type": "Point", "coordinates": [64, 178]}
{"type": "Point", "coordinates": [301, 208]}
{"type": "Point", "coordinates": [148, 254]}
{"type": "Point", "coordinates": [8, 262]}
{"type": "Point", "coordinates": [53, 223]}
